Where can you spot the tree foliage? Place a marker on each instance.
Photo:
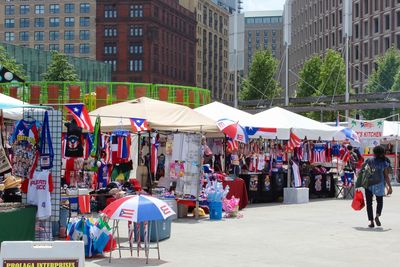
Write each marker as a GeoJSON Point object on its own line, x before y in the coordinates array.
{"type": "Point", "coordinates": [60, 69]}
{"type": "Point", "coordinates": [320, 77]}
{"type": "Point", "coordinates": [11, 64]}
{"type": "Point", "coordinates": [261, 83]}
{"type": "Point", "coordinates": [385, 78]}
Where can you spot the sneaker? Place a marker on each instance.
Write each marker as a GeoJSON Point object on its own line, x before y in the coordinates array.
{"type": "Point", "coordinates": [377, 221]}
{"type": "Point", "coordinates": [371, 225]}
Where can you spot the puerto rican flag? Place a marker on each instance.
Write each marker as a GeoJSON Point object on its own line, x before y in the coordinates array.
{"type": "Point", "coordinates": [269, 133]}
{"type": "Point", "coordinates": [232, 145]}
{"type": "Point", "coordinates": [80, 115]}
{"type": "Point", "coordinates": [126, 213]}
{"type": "Point", "coordinates": [344, 154]}
{"type": "Point", "coordinates": [294, 141]}
{"type": "Point", "coordinates": [139, 125]}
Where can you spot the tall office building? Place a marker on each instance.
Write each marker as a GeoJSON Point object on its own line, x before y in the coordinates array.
{"type": "Point", "coordinates": [67, 26]}
{"type": "Point", "coordinates": [318, 25]}
{"type": "Point", "coordinates": [147, 41]}
{"type": "Point", "coordinates": [263, 30]}
{"type": "Point", "coordinates": [212, 48]}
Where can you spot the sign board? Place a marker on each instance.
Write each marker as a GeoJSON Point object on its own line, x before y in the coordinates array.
{"type": "Point", "coordinates": [42, 254]}
{"type": "Point", "coordinates": [370, 132]}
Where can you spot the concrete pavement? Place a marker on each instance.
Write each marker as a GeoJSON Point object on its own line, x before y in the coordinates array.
{"type": "Point", "coordinates": [321, 233]}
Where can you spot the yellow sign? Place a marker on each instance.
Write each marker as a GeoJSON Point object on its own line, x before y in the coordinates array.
{"type": "Point", "coordinates": [40, 263]}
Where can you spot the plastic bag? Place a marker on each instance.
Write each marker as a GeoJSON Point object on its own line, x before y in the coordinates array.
{"type": "Point", "coordinates": [358, 201]}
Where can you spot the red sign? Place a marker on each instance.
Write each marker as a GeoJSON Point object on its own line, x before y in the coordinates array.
{"type": "Point", "coordinates": [40, 263]}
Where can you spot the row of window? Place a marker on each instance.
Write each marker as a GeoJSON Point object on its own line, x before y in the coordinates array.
{"type": "Point", "coordinates": [133, 49]}
{"type": "Point", "coordinates": [68, 48]}
{"type": "Point", "coordinates": [135, 11]}
{"type": "Point", "coordinates": [136, 30]}
{"type": "Point", "coordinates": [53, 9]}
{"type": "Point", "coordinates": [133, 65]}
{"type": "Point", "coordinates": [53, 22]}
{"type": "Point", "coordinates": [264, 20]}
{"type": "Point", "coordinates": [53, 35]}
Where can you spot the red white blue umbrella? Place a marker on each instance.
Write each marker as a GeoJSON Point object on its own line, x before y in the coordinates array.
{"type": "Point", "coordinates": [233, 130]}
{"type": "Point", "coordinates": [347, 133]}
{"type": "Point", "coordinates": [138, 208]}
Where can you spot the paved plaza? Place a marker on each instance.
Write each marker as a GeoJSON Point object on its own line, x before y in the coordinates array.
{"type": "Point", "coordinates": [321, 233]}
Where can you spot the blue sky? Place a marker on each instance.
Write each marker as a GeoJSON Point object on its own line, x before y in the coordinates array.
{"type": "Point", "coordinates": [258, 5]}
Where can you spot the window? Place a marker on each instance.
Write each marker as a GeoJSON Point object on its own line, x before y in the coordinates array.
{"type": "Point", "coordinates": [398, 18]}
{"type": "Point", "coordinates": [356, 52]}
{"type": "Point", "coordinates": [376, 5]}
{"type": "Point", "coordinates": [69, 8]}
{"type": "Point", "coordinates": [85, 8]}
{"type": "Point", "coordinates": [84, 21]}
{"type": "Point", "coordinates": [366, 10]}
{"type": "Point", "coordinates": [9, 36]}
{"type": "Point", "coordinates": [84, 35]}
{"type": "Point", "coordinates": [39, 36]}
{"type": "Point", "coordinates": [387, 3]}
{"type": "Point", "coordinates": [39, 9]}
{"type": "Point", "coordinates": [54, 47]}
{"type": "Point", "coordinates": [54, 8]}
{"type": "Point", "coordinates": [110, 49]}
{"type": "Point", "coordinates": [24, 23]}
{"type": "Point", "coordinates": [9, 23]}
{"type": "Point", "coordinates": [24, 36]}
{"type": "Point", "coordinates": [366, 71]}
{"type": "Point", "coordinates": [54, 36]}
{"type": "Point", "coordinates": [357, 9]}
{"type": "Point", "coordinates": [398, 41]}
{"type": "Point", "coordinates": [387, 43]}
{"type": "Point", "coordinates": [39, 46]}
{"type": "Point", "coordinates": [39, 22]}
{"type": "Point", "coordinates": [333, 39]}
{"type": "Point", "coordinates": [84, 48]}
{"type": "Point", "coordinates": [113, 64]}
{"type": "Point", "coordinates": [23, 9]}
{"type": "Point", "coordinates": [69, 48]}
{"type": "Point", "coordinates": [110, 11]}
{"type": "Point", "coordinates": [136, 11]}
{"type": "Point", "coordinates": [69, 35]}
{"type": "Point", "coordinates": [366, 50]}
{"type": "Point", "coordinates": [356, 74]}
{"type": "Point", "coordinates": [376, 25]}
{"type": "Point", "coordinates": [136, 65]}
{"type": "Point", "coordinates": [387, 22]}
{"type": "Point", "coordinates": [69, 22]}
{"type": "Point", "coordinates": [110, 32]}
{"type": "Point", "coordinates": [136, 49]}
{"type": "Point", "coordinates": [376, 47]}
{"type": "Point", "coordinates": [357, 31]}
{"type": "Point", "coordinates": [333, 20]}
{"type": "Point", "coordinates": [10, 10]}
{"type": "Point", "coordinates": [54, 22]}
{"type": "Point", "coordinates": [340, 17]}
{"type": "Point", "coordinates": [136, 31]}
{"type": "Point", "coordinates": [365, 28]}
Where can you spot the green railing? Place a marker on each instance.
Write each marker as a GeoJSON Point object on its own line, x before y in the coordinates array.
{"type": "Point", "coordinates": [98, 94]}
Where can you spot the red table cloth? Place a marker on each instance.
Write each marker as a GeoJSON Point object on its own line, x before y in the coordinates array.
{"type": "Point", "coordinates": [238, 189]}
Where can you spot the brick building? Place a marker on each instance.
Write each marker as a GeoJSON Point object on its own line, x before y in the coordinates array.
{"type": "Point", "coordinates": [147, 41]}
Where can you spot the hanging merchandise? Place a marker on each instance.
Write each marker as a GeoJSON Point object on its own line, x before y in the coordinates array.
{"type": "Point", "coordinates": [103, 177]}
{"type": "Point", "coordinates": [73, 144]}
{"type": "Point", "coordinates": [96, 137]}
{"type": "Point", "coordinates": [296, 174]}
{"type": "Point", "coordinates": [319, 153]}
{"type": "Point", "coordinates": [120, 146]}
{"type": "Point", "coordinates": [25, 141]}
{"type": "Point", "coordinates": [38, 191]}
{"type": "Point", "coordinates": [155, 143]}
{"type": "Point", "coordinates": [46, 157]}
{"type": "Point", "coordinates": [5, 165]}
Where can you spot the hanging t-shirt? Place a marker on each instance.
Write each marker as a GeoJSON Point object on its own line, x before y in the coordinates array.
{"type": "Point", "coordinates": [296, 175]}
{"type": "Point", "coordinates": [120, 146]}
{"type": "Point", "coordinates": [319, 153]}
{"type": "Point", "coordinates": [103, 177]}
{"type": "Point", "coordinates": [24, 141]}
{"type": "Point", "coordinates": [38, 191]}
{"type": "Point", "coordinates": [73, 147]}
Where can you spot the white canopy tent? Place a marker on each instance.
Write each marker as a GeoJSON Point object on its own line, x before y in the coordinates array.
{"type": "Point", "coordinates": [284, 120]}
{"type": "Point", "coordinates": [160, 115]}
{"type": "Point", "coordinates": [217, 111]}
{"type": "Point", "coordinates": [12, 107]}
{"type": "Point", "coordinates": [391, 129]}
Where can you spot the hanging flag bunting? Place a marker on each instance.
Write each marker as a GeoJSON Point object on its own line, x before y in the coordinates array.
{"type": "Point", "coordinates": [139, 125]}
{"type": "Point", "coordinates": [81, 115]}
{"type": "Point", "coordinates": [294, 140]}
{"type": "Point", "coordinates": [7, 76]}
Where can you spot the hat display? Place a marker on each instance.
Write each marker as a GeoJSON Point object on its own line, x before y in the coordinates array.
{"type": "Point", "coordinates": [11, 182]}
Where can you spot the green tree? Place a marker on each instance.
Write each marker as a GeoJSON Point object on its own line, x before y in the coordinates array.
{"type": "Point", "coordinates": [261, 83]}
{"type": "Point", "coordinates": [60, 69]}
{"type": "Point", "coordinates": [11, 64]}
{"type": "Point", "coordinates": [384, 79]}
{"type": "Point", "coordinates": [310, 79]}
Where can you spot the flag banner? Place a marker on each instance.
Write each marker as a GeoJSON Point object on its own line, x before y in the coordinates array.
{"type": "Point", "coordinates": [81, 115]}
{"type": "Point", "coordinates": [294, 141]}
{"type": "Point", "coordinates": [7, 76]}
{"type": "Point", "coordinates": [139, 125]}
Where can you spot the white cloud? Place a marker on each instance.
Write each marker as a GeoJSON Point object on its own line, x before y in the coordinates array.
{"type": "Point", "coordinates": [258, 5]}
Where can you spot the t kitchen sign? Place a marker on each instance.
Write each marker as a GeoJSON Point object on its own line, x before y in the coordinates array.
{"type": "Point", "coordinates": [367, 129]}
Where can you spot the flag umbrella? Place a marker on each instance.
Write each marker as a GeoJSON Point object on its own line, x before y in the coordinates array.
{"type": "Point", "coordinates": [347, 133]}
{"type": "Point", "coordinates": [138, 208]}
{"type": "Point", "coordinates": [233, 130]}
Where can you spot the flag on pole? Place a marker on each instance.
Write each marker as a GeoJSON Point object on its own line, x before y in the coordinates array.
{"type": "Point", "coordinates": [139, 125]}
{"type": "Point", "coordinates": [294, 140]}
{"type": "Point", "coordinates": [81, 115]}
{"type": "Point", "coordinates": [338, 119]}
